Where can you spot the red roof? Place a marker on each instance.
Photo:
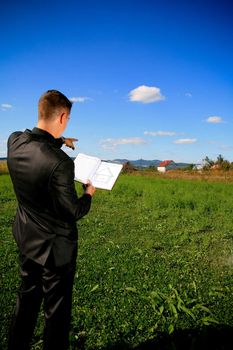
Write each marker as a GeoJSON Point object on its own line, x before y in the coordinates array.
{"type": "Point", "coordinates": [165, 163]}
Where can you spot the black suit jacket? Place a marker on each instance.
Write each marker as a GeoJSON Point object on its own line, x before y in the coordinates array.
{"type": "Point", "coordinates": [48, 206]}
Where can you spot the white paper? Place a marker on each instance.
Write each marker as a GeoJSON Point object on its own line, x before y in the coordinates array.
{"type": "Point", "coordinates": [101, 174]}
{"type": "Point", "coordinates": [85, 167]}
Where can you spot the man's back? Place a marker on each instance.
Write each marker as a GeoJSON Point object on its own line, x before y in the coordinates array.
{"type": "Point", "coordinates": [43, 179]}
{"type": "Point", "coordinates": [32, 157]}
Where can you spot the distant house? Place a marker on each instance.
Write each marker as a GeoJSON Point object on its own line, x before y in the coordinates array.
{"type": "Point", "coordinates": [198, 167]}
{"type": "Point", "coordinates": [166, 165]}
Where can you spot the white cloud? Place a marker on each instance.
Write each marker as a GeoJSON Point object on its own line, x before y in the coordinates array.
{"type": "Point", "coordinates": [214, 120]}
{"type": "Point", "coordinates": [146, 94]}
{"type": "Point", "coordinates": [160, 133]}
{"type": "Point", "coordinates": [79, 99]}
{"type": "Point", "coordinates": [112, 143]}
{"type": "Point", "coordinates": [188, 94]}
{"type": "Point", "coordinates": [5, 106]}
{"type": "Point", "coordinates": [185, 141]}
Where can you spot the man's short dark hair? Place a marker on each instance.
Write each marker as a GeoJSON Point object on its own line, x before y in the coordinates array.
{"type": "Point", "coordinates": [50, 102]}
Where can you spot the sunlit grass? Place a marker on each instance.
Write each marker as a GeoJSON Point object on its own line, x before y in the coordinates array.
{"type": "Point", "coordinates": [155, 256]}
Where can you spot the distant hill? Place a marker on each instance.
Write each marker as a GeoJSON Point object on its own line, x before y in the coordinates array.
{"type": "Point", "coordinates": [182, 165]}
{"type": "Point", "coordinates": [140, 163]}
{"type": "Point", "coordinates": [143, 163]}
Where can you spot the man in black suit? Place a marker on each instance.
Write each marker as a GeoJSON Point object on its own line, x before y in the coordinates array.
{"type": "Point", "coordinates": [45, 225]}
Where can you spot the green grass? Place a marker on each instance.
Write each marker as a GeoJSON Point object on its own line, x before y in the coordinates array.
{"type": "Point", "coordinates": [155, 257]}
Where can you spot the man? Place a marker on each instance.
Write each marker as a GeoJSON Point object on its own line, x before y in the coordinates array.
{"type": "Point", "coordinates": [45, 224]}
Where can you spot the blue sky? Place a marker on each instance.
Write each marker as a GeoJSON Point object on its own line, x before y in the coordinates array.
{"type": "Point", "coordinates": [151, 79]}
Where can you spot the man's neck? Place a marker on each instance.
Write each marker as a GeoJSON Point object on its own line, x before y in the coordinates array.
{"type": "Point", "coordinates": [48, 127]}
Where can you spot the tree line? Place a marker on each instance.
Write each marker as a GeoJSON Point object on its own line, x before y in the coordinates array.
{"type": "Point", "coordinates": [220, 163]}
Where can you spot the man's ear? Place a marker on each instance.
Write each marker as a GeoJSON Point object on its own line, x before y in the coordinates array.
{"type": "Point", "coordinates": [63, 117]}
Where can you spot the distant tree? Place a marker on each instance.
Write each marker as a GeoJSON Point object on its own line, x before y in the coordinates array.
{"type": "Point", "coordinates": [208, 163]}
{"type": "Point", "coordinates": [220, 159]}
{"type": "Point", "coordinates": [225, 165]}
{"type": "Point", "coordinates": [190, 167]}
{"type": "Point", "coordinates": [128, 167]}
{"type": "Point", "coordinates": [219, 163]}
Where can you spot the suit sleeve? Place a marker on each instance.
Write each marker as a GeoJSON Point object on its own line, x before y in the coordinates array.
{"type": "Point", "coordinates": [65, 200]}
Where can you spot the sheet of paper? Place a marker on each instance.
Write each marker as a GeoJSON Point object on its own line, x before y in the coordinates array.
{"type": "Point", "coordinates": [106, 175]}
{"type": "Point", "coordinates": [85, 167]}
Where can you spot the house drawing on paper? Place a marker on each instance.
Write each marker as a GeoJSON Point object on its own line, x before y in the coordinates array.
{"type": "Point", "coordinates": [103, 174]}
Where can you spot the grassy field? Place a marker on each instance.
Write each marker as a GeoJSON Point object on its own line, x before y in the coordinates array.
{"type": "Point", "coordinates": [154, 269]}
